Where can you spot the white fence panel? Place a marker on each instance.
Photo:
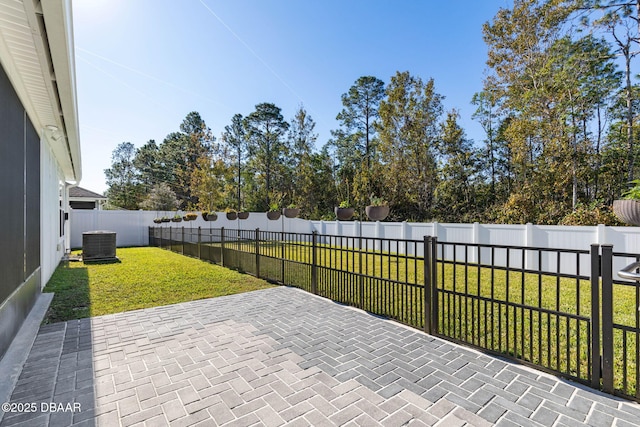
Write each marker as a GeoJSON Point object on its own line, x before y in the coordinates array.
{"type": "Point", "coordinates": [417, 231]}
{"type": "Point", "coordinates": [502, 234]}
{"type": "Point", "coordinates": [623, 239]}
{"type": "Point", "coordinates": [553, 236]}
{"type": "Point", "coordinates": [131, 229]}
{"type": "Point", "coordinates": [255, 220]}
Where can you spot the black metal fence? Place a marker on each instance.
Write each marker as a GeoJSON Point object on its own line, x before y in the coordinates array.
{"type": "Point", "coordinates": [550, 308]}
{"type": "Point", "coordinates": [621, 327]}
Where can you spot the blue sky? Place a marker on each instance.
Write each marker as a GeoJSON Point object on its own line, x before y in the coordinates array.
{"type": "Point", "coordinates": [143, 65]}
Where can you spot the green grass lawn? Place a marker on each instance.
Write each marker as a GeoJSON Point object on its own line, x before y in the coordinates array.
{"type": "Point", "coordinates": [144, 277]}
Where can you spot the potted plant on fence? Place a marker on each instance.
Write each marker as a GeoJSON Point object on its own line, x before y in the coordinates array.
{"type": "Point", "coordinates": [176, 218]}
{"type": "Point", "coordinates": [291, 211]}
{"type": "Point", "coordinates": [165, 219]}
{"type": "Point", "coordinates": [157, 220]}
{"type": "Point", "coordinates": [191, 216]}
{"type": "Point", "coordinates": [344, 212]}
{"type": "Point", "coordinates": [209, 216]}
{"type": "Point", "coordinates": [378, 209]}
{"type": "Point", "coordinates": [231, 214]}
{"type": "Point", "coordinates": [627, 209]}
{"type": "Point", "coordinates": [274, 211]}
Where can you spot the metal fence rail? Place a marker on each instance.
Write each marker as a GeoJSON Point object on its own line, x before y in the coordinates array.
{"type": "Point", "coordinates": [515, 301]}
{"type": "Point", "coordinates": [541, 317]}
{"type": "Point", "coordinates": [621, 328]}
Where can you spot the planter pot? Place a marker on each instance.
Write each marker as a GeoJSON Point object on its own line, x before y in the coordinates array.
{"type": "Point", "coordinates": [291, 212]}
{"type": "Point", "coordinates": [273, 215]}
{"type": "Point", "coordinates": [176, 219]}
{"type": "Point", "coordinates": [211, 216]}
{"type": "Point", "coordinates": [165, 220]}
{"type": "Point", "coordinates": [231, 216]}
{"type": "Point", "coordinates": [627, 211]}
{"type": "Point", "coordinates": [157, 221]}
{"type": "Point", "coordinates": [243, 215]}
{"type": "Point", "coordinates": [344, 214]}
{"type": "Point", "coordinates": [377, 213]}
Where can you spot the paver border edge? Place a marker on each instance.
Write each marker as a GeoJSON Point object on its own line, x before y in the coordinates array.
{"type": "Point", "coordinates": [14, 359]}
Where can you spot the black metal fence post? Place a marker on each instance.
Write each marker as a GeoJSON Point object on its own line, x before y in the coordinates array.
{"type": "Point", "coordinates": [182, 239]}
{"type": "Point", "coordinates": [222, 246]}
{"type": "Point", "coordinates": [595, 316]}
{"type": "Point", "coordinates": [427, 283]}
{"type": "Point", "coordinates": [258, 252]}
{"type": "Point", "coordinates": [314, 263]}
{"type": "Point", "coordinates": [607, 318]}
{"type": "Point", "coordinates": [434, 285]}
{"type": "Point", "coordinates": [282, 255]}
{"type": "Point", "coordinates": [199, 242]}
{"type": "Point", "coordinates": [170, 239]}
{"type": "Point", "coordinates": [360, 273]}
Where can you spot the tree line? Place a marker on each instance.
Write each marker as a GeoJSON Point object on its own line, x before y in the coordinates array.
{"type": "Point", "coordinates": [558, 109]}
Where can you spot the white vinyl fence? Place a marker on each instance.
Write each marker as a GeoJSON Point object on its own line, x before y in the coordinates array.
{"type": "Point", "coordinates": [623, 239]}
{"type": "Point", "coordinates": [130, 226]}
{"type": "Point", "coordinates": [132, 229]}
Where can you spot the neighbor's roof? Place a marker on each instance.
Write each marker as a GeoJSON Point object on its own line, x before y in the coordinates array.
{"type": "Point", "coordinates": [79, 192]}
{"type": "Point", "coordinates": [37, 54]}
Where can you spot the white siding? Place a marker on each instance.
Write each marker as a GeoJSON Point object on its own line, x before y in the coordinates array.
{"type": "Point", "coordinates": [52, 246]}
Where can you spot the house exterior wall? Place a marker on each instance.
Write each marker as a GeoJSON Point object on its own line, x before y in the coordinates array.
{"type": "Point", "coordinates": [20, 215]}
{"type": "Point", "coordinates": [53, 195]}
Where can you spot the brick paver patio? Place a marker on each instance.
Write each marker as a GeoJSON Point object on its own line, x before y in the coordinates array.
{"type": "Point", "coordinates": [283, 357]}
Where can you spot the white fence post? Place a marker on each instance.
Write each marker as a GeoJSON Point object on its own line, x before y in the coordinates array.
{"type": "Point", "coordinates": [404, 236]}
{"type": "Point", "coordinates": [475, 238]}
{"type": "Point", "coordinates": [95, 220]}
{"type": "Point", "coordinates": [528, 241]}
{"type": "Point", "coordinates": [601, 236]}
{"type": "Point", "coordinates": [141, 221]}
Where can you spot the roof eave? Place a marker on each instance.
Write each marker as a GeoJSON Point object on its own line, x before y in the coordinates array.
{"type": "Point", "coordinates": [59, 34]}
